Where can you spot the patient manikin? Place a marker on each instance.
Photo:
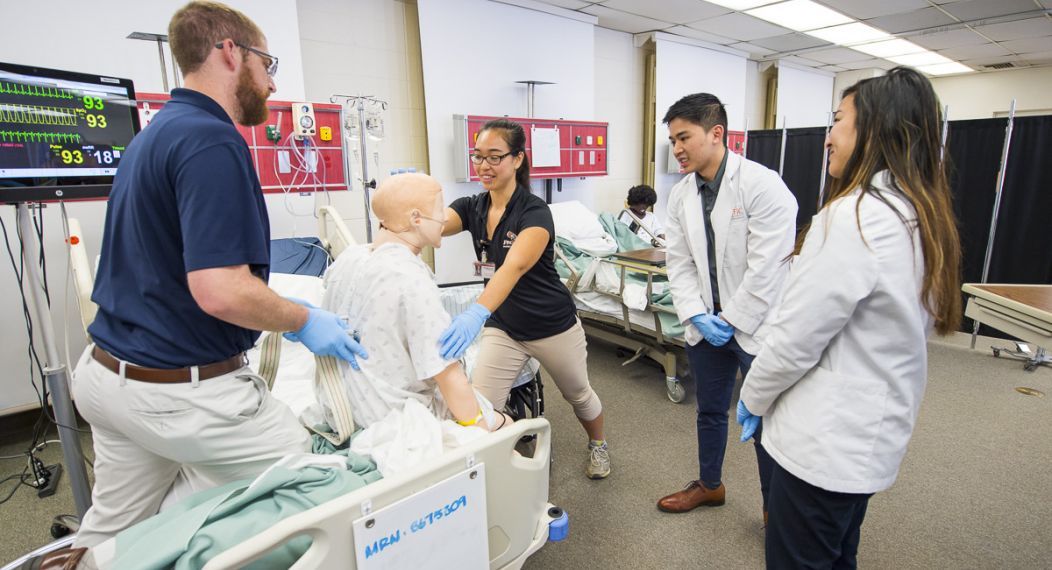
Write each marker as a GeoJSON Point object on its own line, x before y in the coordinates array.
{"type": "Point", "coordinates": [389, 295]}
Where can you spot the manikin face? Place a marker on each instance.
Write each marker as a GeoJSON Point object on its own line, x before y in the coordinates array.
{"type": "Point", "coordinates": [842, 137]}
{"type": "Point", "coordinates": [695, 148]}
{"type": "Point", "coordinates": [254, 86]}
{"type": "Point", "coordinates": [495, 176]}
{"type": "Point", "coordinates": [429, 224]}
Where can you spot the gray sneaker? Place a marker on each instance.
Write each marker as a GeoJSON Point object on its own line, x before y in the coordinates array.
{"type": "Point", "coordinates": [598, 462]}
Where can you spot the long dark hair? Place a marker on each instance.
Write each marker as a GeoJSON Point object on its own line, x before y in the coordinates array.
{"type": "Point", "coordinates": [514, 135]}
{"type": "Point", "coordinates": [898, 120]}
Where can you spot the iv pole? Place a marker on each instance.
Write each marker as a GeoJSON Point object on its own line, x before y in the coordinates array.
{"type": "Point", "coordinates": [358, 102]}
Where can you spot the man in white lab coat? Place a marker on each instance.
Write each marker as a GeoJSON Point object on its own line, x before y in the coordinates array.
{"type": "Point", "coordinates": [731, 225]}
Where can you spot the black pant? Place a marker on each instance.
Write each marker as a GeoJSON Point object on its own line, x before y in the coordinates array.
{"type": "Point", "coordinates": [810, 527]}
{"type": "Point", "coordinates": [715, 370]}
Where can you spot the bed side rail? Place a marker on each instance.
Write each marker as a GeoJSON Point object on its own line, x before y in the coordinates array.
{"type": "Point", "coordinates": [516, 497]}
{"type": "Point", "coordinates": [333, 232]}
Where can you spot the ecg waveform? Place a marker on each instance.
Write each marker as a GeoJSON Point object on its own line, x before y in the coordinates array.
{"type": "Point", "coordinates": [34, 136]}
{"type": "Point", "coordinates": [38, 115]}
{"type": "Point", "coordinates": [35, 90]}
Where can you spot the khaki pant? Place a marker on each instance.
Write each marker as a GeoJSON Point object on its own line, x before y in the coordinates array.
{"type": "Point", "coordinates": [564, 356]}
{"type": "Point", "coordinates": [153, 441]}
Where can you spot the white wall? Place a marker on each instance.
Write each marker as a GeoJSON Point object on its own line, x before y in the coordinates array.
{"type": "Point", "coordinates": [473, 53]}
{"type": "Point", "coordinates": [980, 95]}
{"type": "Point", "coordinates": [804, 97]}
{"type": "Point", "coordinates": [683, 69]}
{"type": "Point", "coordinates": [755, 95]}
{"type": "Point", "coordinates": [368, 47]}
{"type": "Point", "coordinates": [98, 44]}
{"type": "Point", "coordinates": [620, 70]}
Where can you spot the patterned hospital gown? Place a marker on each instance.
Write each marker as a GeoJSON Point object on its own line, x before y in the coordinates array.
{"type": "Point", "coordinates": [389, 295]}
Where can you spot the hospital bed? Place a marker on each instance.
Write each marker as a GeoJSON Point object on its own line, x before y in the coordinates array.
{"type": "Point", "coordinates": [615, 291]}
{"type": "Point", "coordinates": [1022, 311]}
{"type": "Point", "coordinates": [511, 509]}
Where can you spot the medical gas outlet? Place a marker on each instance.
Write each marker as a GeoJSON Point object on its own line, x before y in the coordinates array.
{"type": "Point", "coordinates": [303, 121]}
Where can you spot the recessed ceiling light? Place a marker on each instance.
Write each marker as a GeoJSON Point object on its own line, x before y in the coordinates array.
{"type": "Point", "coordinates": [849, 34]}
{"type": "Point", "coordinates": [889, 48]}
{"type": "Point", "coordinates": [919, 59]}
{"type": "Point", "coordinates": [741, 4]}
{"type": "Point", "coordinates": [800, 15]}
{"type": "Point", "coordinates": [945, 68]}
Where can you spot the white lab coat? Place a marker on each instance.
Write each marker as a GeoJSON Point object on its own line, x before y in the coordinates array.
{"type": "Point", "coordinates": [754, 223]}
{"type": "Point", "coordinates": [841, 374]}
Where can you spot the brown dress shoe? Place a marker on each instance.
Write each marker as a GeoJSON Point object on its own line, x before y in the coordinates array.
{"type": "Point", "coordinates": [694, 495]}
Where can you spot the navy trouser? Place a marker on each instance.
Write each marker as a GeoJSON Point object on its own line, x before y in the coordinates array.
{"type": "Point", "coordinates": [715, 370]}
{"type": "Point", "coordinates": [810, 527]}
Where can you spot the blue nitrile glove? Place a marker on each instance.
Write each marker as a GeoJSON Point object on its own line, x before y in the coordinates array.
{"type": "Point", "coordinates": [291, 335]}
{"type": "Point", "coordinates": [715, 330]}
{"type": "Point", "coordinates": [462, 331]}
{"type": "Point", "coordinates": [325, 334]}
{"type": "Point", "coordinates": [748, 421]}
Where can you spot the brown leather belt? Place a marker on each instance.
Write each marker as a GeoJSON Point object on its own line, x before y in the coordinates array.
{"type": "Point", "coordinates": [168, 376]}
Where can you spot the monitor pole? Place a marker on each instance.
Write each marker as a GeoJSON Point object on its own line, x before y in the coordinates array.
{"type": "Point", "coordinates": [55, 374]}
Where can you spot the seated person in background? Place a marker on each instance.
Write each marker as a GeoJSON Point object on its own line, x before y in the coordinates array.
{"type": "Point", "coordinates": [640, 199]}
{"type": "Point", "coordinates": [391, 295]}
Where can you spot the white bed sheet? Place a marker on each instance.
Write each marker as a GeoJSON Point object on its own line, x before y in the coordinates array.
{"type": "Point", "coordinates": [606, 305]}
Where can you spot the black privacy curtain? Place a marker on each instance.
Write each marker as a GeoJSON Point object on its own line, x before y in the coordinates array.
{"type": "Point", "coordinates": [803, 163]}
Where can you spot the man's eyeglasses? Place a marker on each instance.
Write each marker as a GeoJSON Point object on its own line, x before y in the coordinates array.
{"type": "Point", "coordinates": [269, 61]}
{"type": "Point", "coordinates": [493, 159]}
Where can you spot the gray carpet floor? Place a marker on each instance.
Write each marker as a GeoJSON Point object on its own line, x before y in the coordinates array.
{"type": "Point", "coordinates": [973, 492]}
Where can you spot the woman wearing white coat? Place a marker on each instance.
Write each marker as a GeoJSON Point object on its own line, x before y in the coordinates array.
{"type": "Point", "coordinates": [841, 375]}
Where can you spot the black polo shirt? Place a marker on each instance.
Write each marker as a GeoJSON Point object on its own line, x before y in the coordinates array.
{"type": "Point", "coordinates": [186, 196]}
{"type": "Point", "coordinates": [539, 305]}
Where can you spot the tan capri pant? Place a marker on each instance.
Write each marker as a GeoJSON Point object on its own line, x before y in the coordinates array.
{"type": "Point", "coordinates": [563, 355]}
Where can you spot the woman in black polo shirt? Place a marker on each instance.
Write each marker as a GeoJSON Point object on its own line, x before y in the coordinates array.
{"type": "Point", "coordinates": [526, 310]}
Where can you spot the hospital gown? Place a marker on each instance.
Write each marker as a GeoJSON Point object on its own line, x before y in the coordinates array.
{"type": "Point", "coordinates": [389, 296]}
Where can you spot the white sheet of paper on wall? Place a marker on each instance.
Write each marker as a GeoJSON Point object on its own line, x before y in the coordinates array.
{"type": "Point", "coordinates": [580, 158]}
{"type": "Point", "coordinates": [591, 157]}
{"type": "Point", "coordinates": [545, 146]}
{"type": "Point", "coordinates": [588, 140]}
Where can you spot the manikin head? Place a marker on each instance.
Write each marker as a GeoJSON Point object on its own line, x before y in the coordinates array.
{"type": "Point", "coordinates": [411, 208]}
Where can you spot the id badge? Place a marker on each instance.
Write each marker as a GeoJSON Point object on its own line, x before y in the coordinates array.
{"type": "Point", "coordinates": [485, 270]}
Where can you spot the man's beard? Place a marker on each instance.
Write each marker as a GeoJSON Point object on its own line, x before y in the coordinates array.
{"type": "Point", "coordinates": [253, 104]}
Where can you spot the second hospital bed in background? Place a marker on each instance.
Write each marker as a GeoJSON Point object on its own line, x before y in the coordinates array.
{"type": "Point", "coordinates": [620, 286]}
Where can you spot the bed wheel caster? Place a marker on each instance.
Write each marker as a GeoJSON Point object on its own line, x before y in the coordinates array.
{"type": "Point", "coordinates": [674, 390]}
{"type": "Point", "coordinates": [997, 352]}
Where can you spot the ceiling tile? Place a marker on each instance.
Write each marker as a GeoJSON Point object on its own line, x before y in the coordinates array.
{"type": "Point", "coordinates": [978, 9]}
{"type": "Point", "coordinates": [570, 4]}
{"type": "Point", "coordinates": [865, 9]}
{"type": "Point", "coordinates": [974, 52]}
{"type": "Point", "coordinates": [623, 21]}
{"type": "Point", "coordinates": [739, 26]}
{"type": "Point", "coordinates": [952, 38]}
{"type": "Point", "coordinates": [1029, 45]}
{"type": "Point", "coordinates": [978, 63]}
{"type": "Point", "coordinates": [1030, 28]}
{"type": "Point", "coordinates": [836, 55]}
{"type": "Point", "coordinates": [909, 21]}
{"type": "Point", "coordinates": [700, 35]}
{"type": "Point", "coordinates": [752, 49]}
{"type": "Point", "coordinates": [795, 59]}
{"type": "Point", "coordinates": [675, 11]}
{"type": "Point", "coordinates": [1039, 58]}
{"type": "Point", "coordinates": [833, 68]}
{"type": "Point", "coordinates": [789, 42]}
{"type": "Point", "coordinates": [864, 64]}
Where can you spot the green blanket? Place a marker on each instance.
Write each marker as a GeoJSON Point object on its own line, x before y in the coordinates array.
{"type": "Point", "coordinates": [626, 240]}
{"type": "Point", "coordinates": [193, 531]}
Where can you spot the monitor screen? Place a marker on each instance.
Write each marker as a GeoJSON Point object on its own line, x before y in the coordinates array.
{"type": "Point", "coordinates": [62, 124]}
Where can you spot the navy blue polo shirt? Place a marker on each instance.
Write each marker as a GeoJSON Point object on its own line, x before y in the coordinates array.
{"type": "Point", "coordinates": [186, 197]}
{"type": "Point", "coordinates": [539, 305]}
